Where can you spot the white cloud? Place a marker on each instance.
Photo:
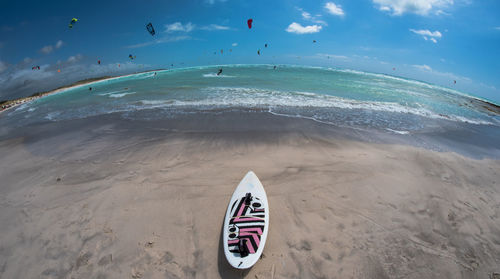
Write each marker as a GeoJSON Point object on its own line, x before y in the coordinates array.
{"type": "Point", "coordinates": [441, 12]}
{"type": "Point", "coordinates": [179, 27]}
{"type": "Point", "coordinates": [19, 80]}
{"type": "Point", "coordinates": [446, 75]}
{"type": "Point", "coordinates": [334, 9]}
{"type": "Point", "coordinates": [319, 21]}
{"type": "Point", "coordinates": [188, 27]}
{"type": "Point", "coordinates": [497, 28]}
{"type": "Point", "coordinates": [3, 66]}
{"type": "Point", "coordinates": [427, 33]}
{"type": "Point", "coordinates": [76, 58]}
{"type": "Point", "coordinates": [307, 16]}
{"type": "Point", "coordinates": [423, 67]}
{"type": "Point", "coordinates": [333, 56]}
{"type": "Point", "coordinates": [27, 60]}
{"type": "Point", "coordinates": [488, 86]}
{"type": "Point", "coordinates": [160, 41]}
{"type": "Point", "coordinates": [47, 49]}
{"type": "Point", "coordinates": [211, 2]}
{"type": "Point", "coordinates": [235, 44]}
{"type": "Point", "coordinates": [419, 7]}
{"type": "Point", "coordinates": [59, 44]}
{"type": "Point", "coordinates": [299, 29]}
{"type": "Point", "coordinates": [214, 27]}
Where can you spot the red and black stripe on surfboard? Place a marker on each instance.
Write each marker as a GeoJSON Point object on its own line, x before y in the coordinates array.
{"type": "Point", "coordinates": [249, 219]}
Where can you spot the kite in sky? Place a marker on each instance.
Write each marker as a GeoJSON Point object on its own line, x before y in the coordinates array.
{"type": "Point", "coordinates": [73, 21]}
{"type": "Point", "coordinates": [151, 29]}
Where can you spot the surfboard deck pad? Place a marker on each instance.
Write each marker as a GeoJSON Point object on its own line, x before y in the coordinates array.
{"type": "Point", "coordinates": [246, 223]}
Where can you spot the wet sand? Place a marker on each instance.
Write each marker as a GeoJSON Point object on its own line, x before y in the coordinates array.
{"type": "Point", "coordinates": [110, 198]}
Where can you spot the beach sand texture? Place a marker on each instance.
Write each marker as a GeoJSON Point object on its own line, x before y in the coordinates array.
{"type": "Point", "coordinates": [117, 199]}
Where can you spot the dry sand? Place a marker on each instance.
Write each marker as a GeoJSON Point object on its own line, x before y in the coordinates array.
{"type": "Point", "coordinates": [106, 200]}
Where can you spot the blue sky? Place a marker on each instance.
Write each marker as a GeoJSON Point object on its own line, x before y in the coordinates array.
{"type": "Point", "coordinates": [437, 41]}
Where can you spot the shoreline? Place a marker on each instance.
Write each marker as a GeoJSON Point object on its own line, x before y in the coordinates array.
{"type": "Point", "coordinates": [470, 141]}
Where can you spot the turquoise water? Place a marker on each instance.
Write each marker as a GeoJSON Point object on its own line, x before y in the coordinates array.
{"type": "Point", "coordinates": [340, 97]}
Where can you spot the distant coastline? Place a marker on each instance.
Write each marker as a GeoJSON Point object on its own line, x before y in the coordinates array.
{"type": "Point", "coordinates": [9, 104]}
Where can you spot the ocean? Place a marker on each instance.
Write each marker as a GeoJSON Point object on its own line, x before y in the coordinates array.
{"type": "Point", "coordinates": [343, 98]}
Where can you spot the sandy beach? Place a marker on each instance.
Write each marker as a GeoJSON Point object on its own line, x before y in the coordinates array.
{"type": "Point", "coordinates": [109, 198]}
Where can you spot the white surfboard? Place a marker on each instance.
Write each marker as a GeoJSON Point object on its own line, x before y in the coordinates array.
{"type": "Point", "coordinates": [246, 223]}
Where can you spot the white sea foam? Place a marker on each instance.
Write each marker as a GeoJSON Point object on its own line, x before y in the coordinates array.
{"type": "Point", "coordinates": [156, 102]}
{"type": "Point", "coordinates": [21, 107]}
{"type": "Point", "coordinates": [398, 132]}
{"type": "Point", "coordinates": [144, 76]}
{"type": "Point", "coordinates": [263, 98]}
{"type": "Point", "coordinates": [112, 92]}
{"type": "Point", "coordinates": [121, 95]}
{"type": "Point", "coordinates": [213, 75]}
{"type": "Point", "coordinates": [52, 115]}
{"type": "Point", "coordinates": [117, 94]}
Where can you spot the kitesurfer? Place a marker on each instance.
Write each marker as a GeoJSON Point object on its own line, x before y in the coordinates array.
{"type": "Point", "coordinates": [258, 52]}
{"type": "Point", "coordinates": [220, 71]}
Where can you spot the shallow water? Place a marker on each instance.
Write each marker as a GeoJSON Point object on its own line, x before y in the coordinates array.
{"type": "Point", "coordinates": [339, 97]}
